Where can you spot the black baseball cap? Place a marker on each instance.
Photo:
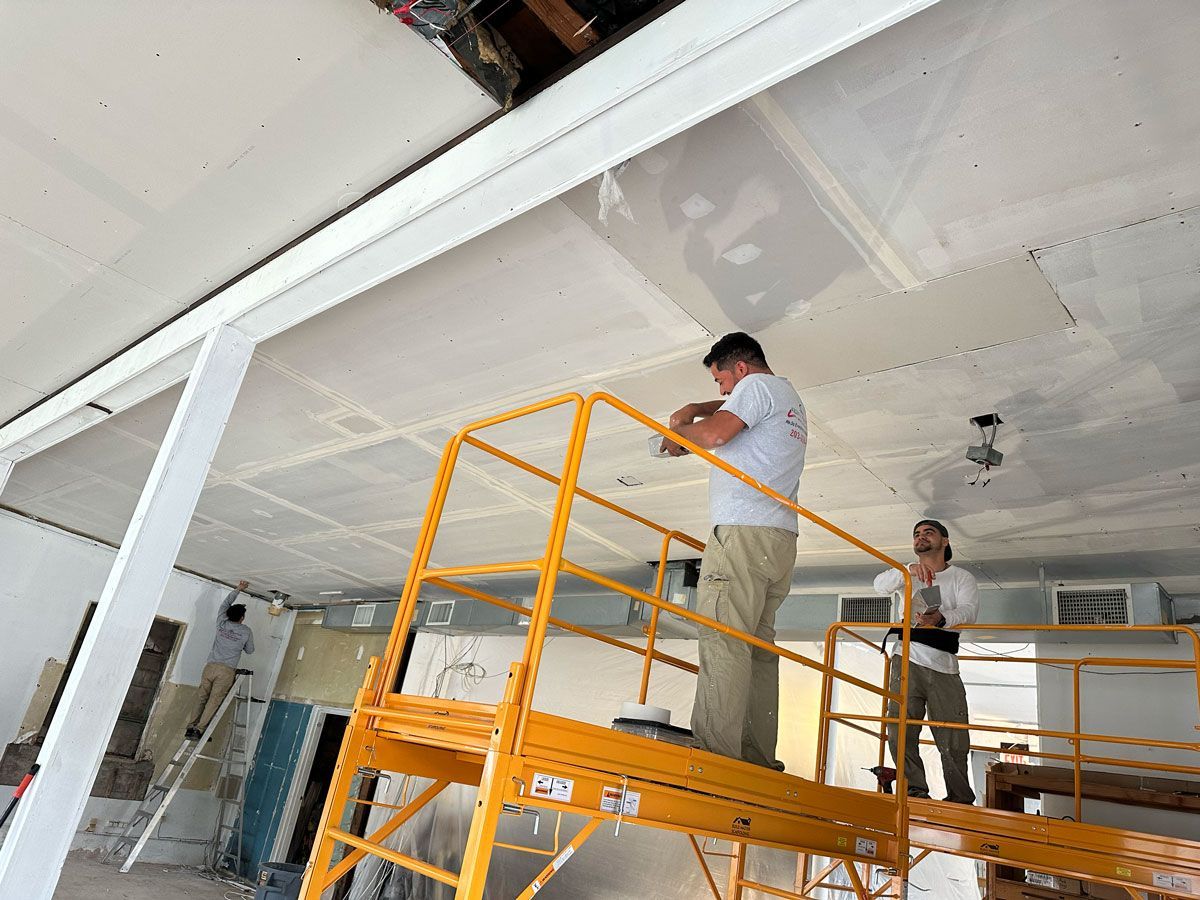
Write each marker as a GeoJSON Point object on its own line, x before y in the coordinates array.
{"type": "Point", "coordinates": [941, 528]}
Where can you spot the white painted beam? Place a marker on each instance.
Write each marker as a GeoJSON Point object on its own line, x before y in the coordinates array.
{"type": "Point", "coordinates": [698, 59]}
{"type": "Point", "coordinates": [6, 467]}
{"type": "Point", "coordinates": [36, 846]}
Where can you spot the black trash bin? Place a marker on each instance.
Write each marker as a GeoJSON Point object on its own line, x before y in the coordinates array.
{"type": "Point", "coordinates": [279, 881]}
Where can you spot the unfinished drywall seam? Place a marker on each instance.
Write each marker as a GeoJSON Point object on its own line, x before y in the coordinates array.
{"type": "Point", "coordinates": [854, 223]}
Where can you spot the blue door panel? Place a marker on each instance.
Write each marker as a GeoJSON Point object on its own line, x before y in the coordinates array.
{"type": "Point", "coordinates": [279, 746]}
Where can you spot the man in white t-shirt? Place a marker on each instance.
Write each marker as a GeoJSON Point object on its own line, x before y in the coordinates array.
{"type": "Point", "coordinates": [762, 430]}
{"type": "Point", "coordinates": [934, 685]}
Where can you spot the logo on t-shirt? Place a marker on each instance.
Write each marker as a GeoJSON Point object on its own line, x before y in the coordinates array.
{"type": "Point", "coordinates": [798, 425]}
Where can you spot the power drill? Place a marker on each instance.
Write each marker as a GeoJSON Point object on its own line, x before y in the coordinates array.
{"type": "Point", "coordinates": [885, 776]}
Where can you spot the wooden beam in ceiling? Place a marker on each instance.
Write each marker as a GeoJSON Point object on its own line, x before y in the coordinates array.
{"type": "Point", "coordinates": [567, 25]}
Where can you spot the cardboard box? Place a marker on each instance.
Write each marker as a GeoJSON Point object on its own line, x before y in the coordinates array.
{"type": "Point", "coordinates": [1055, 882]}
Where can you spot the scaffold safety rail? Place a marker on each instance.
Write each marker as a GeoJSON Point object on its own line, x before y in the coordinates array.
{"type": "Point", "coordinates": [510, 751]}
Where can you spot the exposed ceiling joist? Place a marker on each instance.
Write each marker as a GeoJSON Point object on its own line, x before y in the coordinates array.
{"type": "Point", "coordinates": [575, 32]}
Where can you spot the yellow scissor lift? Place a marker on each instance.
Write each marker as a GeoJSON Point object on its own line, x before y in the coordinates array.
{"type": "Point", "coordinates": [520, 757]}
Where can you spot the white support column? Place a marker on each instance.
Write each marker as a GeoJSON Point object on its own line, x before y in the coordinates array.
{"type": "Point", "coordinates": [33, 853]}
{"type": "Point", "coordinates": [6, 467]}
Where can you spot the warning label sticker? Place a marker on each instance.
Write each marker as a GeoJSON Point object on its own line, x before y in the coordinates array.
{"type": "Point", "coordinates": [551, 788]}
{"type": "Point", "coordinates": [864, 847]}
{"type": "Point", "coordinates": [610, 801]}
{"type": "Point", "coordinates": [561, 859]}
{"type": "Point", "coordinates": [1173, 882]}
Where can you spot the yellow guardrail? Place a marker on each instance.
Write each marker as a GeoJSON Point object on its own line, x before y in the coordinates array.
{"type": "Point", "coordinates": [552, 562]}
{"type": "Point", "coordinates": [504, 727]}
{"type": "Point", "coordinates": [1077, 737]}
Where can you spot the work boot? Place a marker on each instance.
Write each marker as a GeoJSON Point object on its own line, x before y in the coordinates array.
{"type": "Point", "coordinates": [193, 733]}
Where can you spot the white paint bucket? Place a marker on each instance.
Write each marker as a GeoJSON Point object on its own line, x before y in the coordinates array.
{"type": "Point", "coordinates": [645, 712]}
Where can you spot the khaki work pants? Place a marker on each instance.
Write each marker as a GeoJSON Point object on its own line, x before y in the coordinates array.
{"type": "Point", "coordinates": [745, 576]}
{"type": "Point", "coordinates": [945, 699]}
{"type": "Point", "coordinates": [214, 685]}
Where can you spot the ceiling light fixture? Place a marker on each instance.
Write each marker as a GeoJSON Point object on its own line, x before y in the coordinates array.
{"type": "Point", "coordinates": [985, 454]}
{"type": "Point", "coordinates": [278, 599]}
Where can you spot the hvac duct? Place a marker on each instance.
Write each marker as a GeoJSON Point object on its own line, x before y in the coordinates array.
{"type": "Point", "coordinates": [803, 617]}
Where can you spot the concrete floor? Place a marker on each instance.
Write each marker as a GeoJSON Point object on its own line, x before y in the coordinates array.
{"type": "Point", "coordinates": [85, 879]}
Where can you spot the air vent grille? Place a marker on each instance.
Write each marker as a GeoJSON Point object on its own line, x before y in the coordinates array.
{"type": "Point", "coordinates": [867, 608]}
{"type": "Point", "coordinates": [1108, 605]}
{"type": "Point", "coordinates": [440, 612]}
{"type": "Point", "coordinates": [364, 615]}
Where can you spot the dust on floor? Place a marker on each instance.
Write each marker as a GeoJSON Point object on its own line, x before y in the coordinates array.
{"type": "Point", "coordinates": [84, 878]}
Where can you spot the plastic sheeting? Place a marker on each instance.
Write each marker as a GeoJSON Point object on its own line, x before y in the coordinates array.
{"type": "Point", "coordinates": [997, 693]}
{"type": "Point", "coordinates": [586, 680]}
{"type": "Point", "coordinates": [611, 197]}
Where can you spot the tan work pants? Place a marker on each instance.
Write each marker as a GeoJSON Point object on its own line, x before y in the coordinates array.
{"type": "Point", "coordinates": [745, 576]}
{"type": "Point", "coordinates": [214, 685]}
{"type": "Point", "coordinates": [945, 699]}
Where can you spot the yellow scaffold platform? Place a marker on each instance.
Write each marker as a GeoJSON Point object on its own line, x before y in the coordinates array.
{"type": "Point", "coordinates": [519, 757]}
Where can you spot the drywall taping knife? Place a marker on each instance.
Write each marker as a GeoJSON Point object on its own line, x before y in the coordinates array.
{"type": "Point", "coordinates": [33, 770]}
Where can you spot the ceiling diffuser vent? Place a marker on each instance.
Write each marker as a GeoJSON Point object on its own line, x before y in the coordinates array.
{"type": "Point", "coordinates": [440, 612]}
{"type": "Point", "coordinates": [864, 608]}
{"type": "Point", "coordinates": [364, 615]}
{"type": "Point", "coordinates": [1107, 604]}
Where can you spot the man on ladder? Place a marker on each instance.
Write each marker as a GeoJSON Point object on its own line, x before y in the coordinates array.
{"type": "Point", "coordinates": [233, 637]}
{"type": "Point", "coordinates": [225, 850]}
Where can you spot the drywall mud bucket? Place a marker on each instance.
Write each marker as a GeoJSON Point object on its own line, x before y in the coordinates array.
{"type": "Point", "coordinates": [279, 881]}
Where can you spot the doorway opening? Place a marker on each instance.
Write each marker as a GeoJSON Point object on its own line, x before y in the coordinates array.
{"type": "Point", "coordinates": [123, 774]}
{"type": "Point", "coordinates": [139, 701]}
{"type": "Point", "coordinates": [320, 775]}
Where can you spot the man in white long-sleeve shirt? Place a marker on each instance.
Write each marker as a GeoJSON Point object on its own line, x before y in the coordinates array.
{"type": "Point", "coordinates": [934, 685]}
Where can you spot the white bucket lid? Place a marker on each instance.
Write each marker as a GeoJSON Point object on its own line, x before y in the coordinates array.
{"type": "Point", "coordinates": [645, 712]}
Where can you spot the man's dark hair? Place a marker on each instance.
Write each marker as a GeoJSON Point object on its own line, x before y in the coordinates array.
{"type": "Point", "coordinates": [236, 613]}
{"type": "Point", "coordinates": [734, 348]}
{"type": "Point", "coordinates": [949, 553]}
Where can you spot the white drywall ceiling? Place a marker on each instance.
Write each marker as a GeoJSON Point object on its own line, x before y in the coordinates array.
{"type": "Point", "coordinates": [841, 216]}
{"type": "Point", "coordinates": [150, 152]}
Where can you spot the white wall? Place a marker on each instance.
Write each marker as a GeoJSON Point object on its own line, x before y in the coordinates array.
{"type": "Point", "coordinates": [1157, 705]}
{"type": "Point", "coordinates": [49, 579]}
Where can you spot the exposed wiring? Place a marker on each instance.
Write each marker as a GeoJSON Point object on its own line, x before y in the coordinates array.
{"type": "Point", "coordinates": [1013, 654]}
{"type": "Point", "coordinates": [375, 887]}
{"type": "Point", "coordinates": [480, 23]}
{"type": "Point", "coordinates": [1087, 671]}
{"type": "Point", "coordinates": [984, 467]}
{"type": "Point", "coordinates": [468, 671]}
{"type": "Point", "coordinates": [235, 891]}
